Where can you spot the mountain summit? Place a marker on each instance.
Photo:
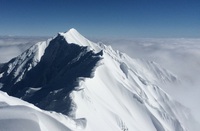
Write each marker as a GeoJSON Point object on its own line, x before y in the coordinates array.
{"type": "Point", "coordinates": [73, 36]}
{"type": "Point", "coordinates": [107, 89]}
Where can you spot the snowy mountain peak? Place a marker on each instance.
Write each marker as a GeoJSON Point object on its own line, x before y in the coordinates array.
{"type": "Point", "coordinates": [71, 33]}
{"type": "Point", "coordinates": [73, 36]}
{"type": "Point", "coordinates": [73, 30]}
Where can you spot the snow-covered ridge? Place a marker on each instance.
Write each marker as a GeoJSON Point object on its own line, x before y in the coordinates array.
{"type": "Point", "coordinates": [20, 65]}
{"type": "Point", "coordinates": [150, 70]}
{"type": "Point", "coordinates": [104, 88]}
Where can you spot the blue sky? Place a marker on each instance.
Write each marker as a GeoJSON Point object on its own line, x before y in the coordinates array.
{"type": "Point", "coordinates": [101, 18]}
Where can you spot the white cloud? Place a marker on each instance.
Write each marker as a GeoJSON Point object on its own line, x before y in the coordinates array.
{"type": "Point", "coordinates": [6, 53]}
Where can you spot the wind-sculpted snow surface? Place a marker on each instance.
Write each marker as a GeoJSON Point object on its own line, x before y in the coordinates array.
{"type": "Point", "coordinates": [104, 88]}
{"type": "Point", "coordinates": [17, 115]}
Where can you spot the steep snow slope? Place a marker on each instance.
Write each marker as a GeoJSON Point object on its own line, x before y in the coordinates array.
{"type": "Point", "coordinates": [107, 88]}
{"type": "Point", "coordinates": [125, 93]}
{"type": "Point", "coordinates": [127, 99]}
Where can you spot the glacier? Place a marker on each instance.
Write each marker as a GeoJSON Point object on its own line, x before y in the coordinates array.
{"type": "Point", "coordinates": [93, 86]}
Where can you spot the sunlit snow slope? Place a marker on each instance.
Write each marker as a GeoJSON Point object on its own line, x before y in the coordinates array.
{"type": "Point", "coordinates": [105, 88]}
